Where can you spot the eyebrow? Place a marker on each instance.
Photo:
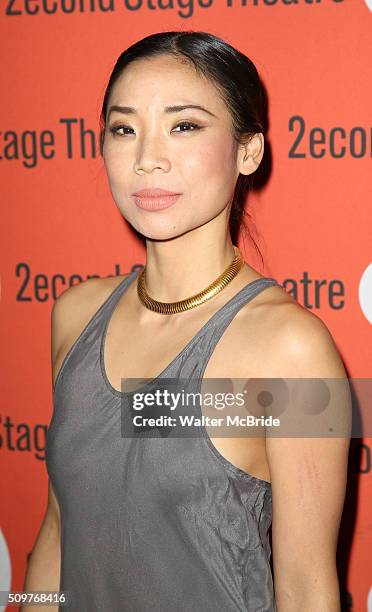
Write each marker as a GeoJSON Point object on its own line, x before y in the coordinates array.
{"type": "Point", "coordinates": [129, 110]}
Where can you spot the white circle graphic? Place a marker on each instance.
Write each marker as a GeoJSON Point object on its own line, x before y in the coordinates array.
{"type": "Point", "coordinates": [5, 567]}
{"type": "Point", "coordinates": [365, 292]}
{"type": "Point", "coordinates": [369, 4]}
{"type": "Point", "coordinates": [369, 601]}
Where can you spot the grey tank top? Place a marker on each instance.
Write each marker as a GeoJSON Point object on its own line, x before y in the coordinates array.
{"type": "Point", "coordinates": [152, 524]}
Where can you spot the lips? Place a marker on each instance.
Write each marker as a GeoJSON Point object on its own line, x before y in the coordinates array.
{"type": "Point", "coordinates": [155, 199]}
{"type": "Point", "coordinates": [154, 192]}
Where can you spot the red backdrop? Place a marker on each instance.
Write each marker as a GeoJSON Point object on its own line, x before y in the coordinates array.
{"type": "Point", "coordinates": [61, 226]}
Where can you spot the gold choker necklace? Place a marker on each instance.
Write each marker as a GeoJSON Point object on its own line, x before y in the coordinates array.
{"type": "Point", "coordinates": [199, 298]}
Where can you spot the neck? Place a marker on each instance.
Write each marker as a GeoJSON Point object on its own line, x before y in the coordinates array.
{"type": "Point", "coordinates": [181, 267]}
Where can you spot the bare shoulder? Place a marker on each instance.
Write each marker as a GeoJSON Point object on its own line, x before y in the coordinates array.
{"type": "Point", "coordinates": [72, 311]}
{"type": "Point", "coordinates": [297, 342]}
{"type": "Point", "coordinates": [307, 345]}
{"type": "Point", "coordinates": [304, 469]}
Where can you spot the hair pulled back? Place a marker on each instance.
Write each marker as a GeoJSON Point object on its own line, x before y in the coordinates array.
{"type": "Point", "coordinates": [232, 73]}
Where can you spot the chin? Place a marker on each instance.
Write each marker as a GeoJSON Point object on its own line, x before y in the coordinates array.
{"type": "Point", "coordinates": [166, 233]}
{"type": "Point", "coordinates": [159, 230]}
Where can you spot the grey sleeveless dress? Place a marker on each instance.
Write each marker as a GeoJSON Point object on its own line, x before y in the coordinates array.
{"type": "Point", "coordinates": [152, 524]}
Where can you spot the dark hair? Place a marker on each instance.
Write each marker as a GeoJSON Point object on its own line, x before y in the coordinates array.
{"type": "Point", "coordinates": [231, 72]}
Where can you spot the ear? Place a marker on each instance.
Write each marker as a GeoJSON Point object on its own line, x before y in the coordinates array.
{"type": "Point", "coordinates": [250, 154]}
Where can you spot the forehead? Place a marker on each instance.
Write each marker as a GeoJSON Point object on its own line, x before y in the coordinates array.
{"type": "Point", "coordinates": [164, 80]}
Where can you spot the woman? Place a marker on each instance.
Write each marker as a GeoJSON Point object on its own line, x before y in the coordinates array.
{"type": "Point", "coordinates": [156, 522]}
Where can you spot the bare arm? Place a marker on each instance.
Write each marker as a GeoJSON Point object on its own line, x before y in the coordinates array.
{"type": "Point", "coordinates": [308, 477]}
{"type": "Point", "coordinates": [70, 313]}
{"type": "Point", "coordinates": [43, 570]}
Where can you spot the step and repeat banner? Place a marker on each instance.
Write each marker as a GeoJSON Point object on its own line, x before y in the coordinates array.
{"type": "Point", "coordinates": [60, 226]}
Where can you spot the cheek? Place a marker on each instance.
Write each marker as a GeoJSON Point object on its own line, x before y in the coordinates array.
{"type": "Point", "coordinates": [203, 161]}
{"type": "Point", "coordinates": [212, 161]}
{"type": "Point", "coordinates": [210, 172]}
{"type": "Point", "coordinates": [117, 175]}
{"type": "Point", "coordinates": [113, 164]}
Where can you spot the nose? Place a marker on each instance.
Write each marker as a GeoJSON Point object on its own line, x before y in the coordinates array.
{"type": "Point", "coordinates": [151, 155]}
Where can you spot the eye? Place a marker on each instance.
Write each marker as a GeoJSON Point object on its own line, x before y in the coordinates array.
{"type": "Point", "coordinates": [189, 124]}
{"type": "Point", "coordinates": [115, 129]}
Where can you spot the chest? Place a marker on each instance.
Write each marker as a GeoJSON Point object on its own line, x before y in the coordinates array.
{"type": "Point", "coordinates": [240, 352]}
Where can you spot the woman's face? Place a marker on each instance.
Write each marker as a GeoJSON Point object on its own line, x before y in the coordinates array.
{"type": "Point", "coordinates": [149, 147]}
